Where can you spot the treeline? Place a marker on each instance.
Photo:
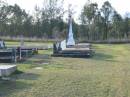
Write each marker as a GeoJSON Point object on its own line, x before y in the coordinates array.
{"type": "Point", "coordinates": [47, 22]}
{"type": "Point", "coordinates": [104, 23]}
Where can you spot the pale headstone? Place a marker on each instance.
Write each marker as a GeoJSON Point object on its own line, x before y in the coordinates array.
{"type": "Point", "coordinates": [63, 45]}
{"type": "Point", "coordinates": [2, 44]}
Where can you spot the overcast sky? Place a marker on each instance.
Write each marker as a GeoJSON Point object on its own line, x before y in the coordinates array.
{"type": "Point", "coordinates": [122, 6]}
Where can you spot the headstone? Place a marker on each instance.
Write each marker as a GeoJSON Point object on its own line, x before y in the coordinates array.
{"type": "Point", "coordinates": [2, 44]}
{"type": "Point", "coordinates": [63, 45]}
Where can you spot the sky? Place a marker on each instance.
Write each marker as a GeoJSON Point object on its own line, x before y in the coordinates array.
{"type": "Point", "coordinates": [122, 6]}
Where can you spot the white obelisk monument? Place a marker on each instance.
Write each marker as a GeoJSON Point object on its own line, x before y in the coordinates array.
{"type": "Point", "coordinates": [70, 38]}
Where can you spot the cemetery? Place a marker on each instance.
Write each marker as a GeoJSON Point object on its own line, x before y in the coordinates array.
{"type": "Point", "coordinates": [50, 52]}
{"type": "Point", "coordinates": [65, 48]}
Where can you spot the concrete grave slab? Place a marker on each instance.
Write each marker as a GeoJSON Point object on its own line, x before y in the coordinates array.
{"type": "Point", "coordinates": [6, 70]}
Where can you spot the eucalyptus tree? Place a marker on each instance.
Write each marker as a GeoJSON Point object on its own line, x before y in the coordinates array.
{"type": "Point", "coordinates": [126, 25]}
{"type": "Point", "coordinates": [37, 22]}
{"type": "Point", "coordinates": [17, 19]}
{"type": "Point", "coordinates": [88, 12]}
{"type": "Point", "coordinates": [87, 17]}
{"type": "Point", "coordinates": [4, 14]}
{"type": "Point", "coordinates": [27, 26]}
{"type": "Point", "coordinates": [107, 11]}
{"type": "Point", "coordinates": [98, 26]}
{"type": "Point", "coordinates": [4, 11]}
{"type": "Point", "coordinates": [52, 15]}
{"type": "Point", "coordinates": [117, 26]}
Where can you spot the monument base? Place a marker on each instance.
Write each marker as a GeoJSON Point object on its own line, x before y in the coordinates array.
{"type": "Point", "coordinates": [79, 50]}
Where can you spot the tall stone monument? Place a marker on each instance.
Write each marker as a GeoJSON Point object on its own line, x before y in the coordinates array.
{"type": "Point", "coordinates": [70, 38]}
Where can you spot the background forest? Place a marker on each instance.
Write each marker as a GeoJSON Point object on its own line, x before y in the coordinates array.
{"type": "Point", "coordinates": [96, 24]}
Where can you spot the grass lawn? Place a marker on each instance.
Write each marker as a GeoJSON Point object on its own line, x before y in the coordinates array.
{"type": "Point", "coordinates": [107, 74]}
{"type": "Point", "coordinates": [17, 43]}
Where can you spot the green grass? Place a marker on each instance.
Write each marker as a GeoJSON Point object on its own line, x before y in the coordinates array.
{"type": "Point", "coordinates": [107, 74]}
{"type": "Point", "coordinates": [17, 43]}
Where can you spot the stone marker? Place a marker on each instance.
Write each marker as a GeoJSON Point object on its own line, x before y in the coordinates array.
{"type": "Point", "coordinates": [6, 70]}
{"type": "Point", "coordinates": [63, 45]}
{"type": "Point", "coordinates": [70, 39]}
{"type": "Point", "coordinates": [2, 44]}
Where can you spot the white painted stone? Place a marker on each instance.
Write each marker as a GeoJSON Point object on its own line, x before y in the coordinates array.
{"type": "Point", "coordinates": [45, 63]}
{"type": "Point", "coordinates": [63, 45]}
{"type": "Point", "coordinates": [2, 45]}
{"type": "Point", "coordinates": [6, 70]}
{"type": "Point", "coordinates": [70, 40]}
{"type": "Point", "coordinates": [38, 68]}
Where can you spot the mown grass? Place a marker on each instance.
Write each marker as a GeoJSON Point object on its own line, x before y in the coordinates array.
{"type": "Point", "coordinates": [17, 43]}
{"type": "Point", "coordinates": [106, 74]}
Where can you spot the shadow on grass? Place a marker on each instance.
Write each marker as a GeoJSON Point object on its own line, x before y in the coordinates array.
{"type": "Point", "coordinates": [17, 72]}
{"type": "Point", "coordinates": [26, 76]}
{"type": "Point", "coordinates": [104, 57]}
{"type": "Point", "coordinates": [18, 82]}
{"type": "Point", "coordinates": [5, 61]}
{"type": "Point", "coordinates": [38, 59]}
{"type": "Point", "coordinates": [8, 88]}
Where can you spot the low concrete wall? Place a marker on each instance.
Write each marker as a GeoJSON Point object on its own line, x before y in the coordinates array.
{"type": "Point", "coordinates": [6, 70]}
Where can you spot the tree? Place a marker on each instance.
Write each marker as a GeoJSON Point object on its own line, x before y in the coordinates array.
{"type": "Point", "coordinates": [117, 25]}
{"type": "Point", "coordinates": [107, 11]}
{"type": "Point", "coordinates": [87, 17]}
{"type": "Point", "coordinates": [88, 13]}
{"type": "Point", "coordinates": [4, 14]}
{"type": "Point", "coordinates": [52, 14]}
{"type": "Point", "coordinates": [98, 26]}
{"type": "Point", "coordinates": [17, 19]}
{"type": "Point", "coordinates": [126, 26]}
{"type": "Point", "coordinates": [37, 22]}
{"type": "Point", "coordinates": [28, 30]}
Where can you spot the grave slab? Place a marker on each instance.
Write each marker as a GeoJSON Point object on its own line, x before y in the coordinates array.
{"type": "Point", "coordinates": [6, 70]}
